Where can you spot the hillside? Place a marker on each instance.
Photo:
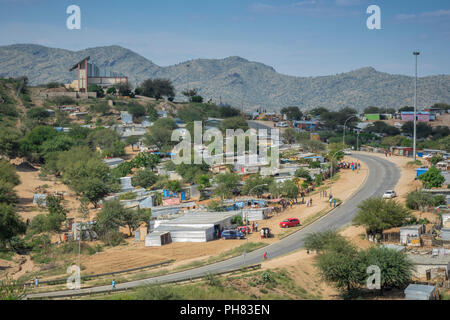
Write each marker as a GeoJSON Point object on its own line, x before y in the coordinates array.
{"type": "Point", "coordinates": [232, 80]}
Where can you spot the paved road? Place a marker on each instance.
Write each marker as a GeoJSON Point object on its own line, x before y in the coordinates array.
{"type": "Point", "coordinates": [383, 176]}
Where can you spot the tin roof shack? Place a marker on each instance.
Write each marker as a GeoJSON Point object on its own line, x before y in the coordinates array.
{"type": "Point", "coordinates": [40, 199]}
{"type": "Point", "coordinates": [394, 247]}
{"type": "Point", "coordinates": [256, 214]}
{"type": "Point", "coordinates": [421, 292]}
{"type": "Point", "coordinates": [113, 162]}
{"type": "Point", "coordinates": [158, 239]}
{"type": "Point", "coordinates": [197, 227]}
{"type": "Point", "coordinates": [445, 234]}
{"type": "Point", "coordinates": [425, 263]}
{"type": "Point", "coordinates": [410, 235]}
{"type": "Point", "coordinates": [402, 151]}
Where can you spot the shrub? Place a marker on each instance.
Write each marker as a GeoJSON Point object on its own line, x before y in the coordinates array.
{"type": "Point", "coordinates": [113, 238]}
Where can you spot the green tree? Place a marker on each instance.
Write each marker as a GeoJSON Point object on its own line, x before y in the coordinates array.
{"type": "Point", "coordinates": [290, 189]}
{"type": "Point", "coordinates": [303, 173]}
{"type": "Point", "coordinates": [396, 269]}
{"type": "Point", "coordinates": [132, 218]}
{"type": "Point", "coordinates": [257, 185]}
{"type": "Point", "coordinates": [110, 218]}
{"type": "Point", "coordinates": [234, 123]}
{"type": "Point", "coordinates": [227, 183]}
{"type": "Point", "coordinates": [98, 89]}
{"type": "Point", "coordinates": [377, 215]}
{"type": "Point", "coordinates": [11, 289]}
{"type": "Point", "coordinates": [9, 142]}
{"type": "Point", "coordinates": [38, 113]}
{"type": "Point", "coordinates": [338, 264]}
{"type": "Point", "coordinates": [144, 178]}
{"type": "Point", "coordinates": [173, 186]}
{"type": "Point", "coordinates": [8, 173]}
{"type": "Point", "coordinates": [11, 224]}
{"type": "Point", "coordinates": [289, 135]}
{"type": "Point", "coordinates": [292, 113]}
{"type": "Point", "coordinates": [320, 241]}
{"type": "Point", "coordinates": [432, 178]}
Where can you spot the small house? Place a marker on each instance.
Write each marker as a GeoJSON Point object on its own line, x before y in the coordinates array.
{"type": "Point", "coordinates": [421, 292]}
{"type": "Point", "coordinates": [410, 235]}
{"type": "Point", "coordinates": [113, 162]}
{"type": "Point", "coordinates": [158, 239]}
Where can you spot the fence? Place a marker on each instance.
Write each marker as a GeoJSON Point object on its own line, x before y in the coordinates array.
{"type": "Point", "coordinates": [89, 292]}
{"type": "Point", "coordinates": [87, 277]}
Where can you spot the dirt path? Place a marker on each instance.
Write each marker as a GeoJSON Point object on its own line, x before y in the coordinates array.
{"type": "Point", "coordinates": [30, 180]}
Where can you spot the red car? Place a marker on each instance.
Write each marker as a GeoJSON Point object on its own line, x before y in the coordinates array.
{"type": "Point", "coordinates": [244, 229]}
{"type": "Point", "coordinates": [291, 222]}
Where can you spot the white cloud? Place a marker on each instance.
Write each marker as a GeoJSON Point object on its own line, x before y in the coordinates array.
{"type": "Point", "coordinates": [425, 17]}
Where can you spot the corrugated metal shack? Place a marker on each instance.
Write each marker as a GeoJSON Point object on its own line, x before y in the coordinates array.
{"type": "Point", "coordinates": [421, 292]}
{"type": "Point", "coordinates": [158, 239]}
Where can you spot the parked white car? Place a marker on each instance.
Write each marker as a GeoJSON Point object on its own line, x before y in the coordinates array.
{"type": "Point", "coordinates": [347, 152]}
{"type": "Point", "coordinates": [389, 194]}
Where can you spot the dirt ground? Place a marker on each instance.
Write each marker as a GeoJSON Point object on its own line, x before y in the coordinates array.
{"type": "Point", "coordinates": [30, 180]}
{"type": "Point", "coordinates": [300, 266]}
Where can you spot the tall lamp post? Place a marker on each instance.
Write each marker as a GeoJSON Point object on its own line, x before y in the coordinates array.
{"type": "Point", "coordinates": [331, 176]}
{"type": "Point", "coordinates": [246, 222]}
{"type": "Point", "coordinates": [416, 54]}
{"type": "Point", "coordinates": [343, 136]}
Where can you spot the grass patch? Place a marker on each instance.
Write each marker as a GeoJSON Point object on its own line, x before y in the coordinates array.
{"type": "Point", "coordinates": [7, 255]}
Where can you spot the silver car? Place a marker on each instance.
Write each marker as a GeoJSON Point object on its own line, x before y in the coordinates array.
{"type": "Point", "coordinates": [389, 194]}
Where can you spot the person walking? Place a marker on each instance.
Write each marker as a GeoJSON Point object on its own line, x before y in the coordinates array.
{"type": "Point", "coordinates": [113, 283]}
{"type": "Point", "coordinates": [310, 202]}
{"type": "Point", "coordinates": [36, 282]}
{"type": "Point", "coordinates": [265, 256]}
{"type": "Point", "coordinates": [256, 227]}
{"type": "Point", "coordinates": [262, 233]}
{"type": "Point", "coordinates": [331, 200]}
{"type": "Point", "coordinates": [307, 203]}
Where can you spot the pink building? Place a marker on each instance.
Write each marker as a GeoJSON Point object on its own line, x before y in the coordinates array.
{"type": "Point", "coordinates": [420, 116]}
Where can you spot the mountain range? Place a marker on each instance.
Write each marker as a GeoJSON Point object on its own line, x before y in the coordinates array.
{"type": "Point", "coordinates": [233, 80]}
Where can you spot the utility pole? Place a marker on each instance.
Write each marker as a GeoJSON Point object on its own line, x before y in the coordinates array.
{"type": "Point", "coordinates": [416, 54]}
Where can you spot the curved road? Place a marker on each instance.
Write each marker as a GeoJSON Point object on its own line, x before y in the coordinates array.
{"type": "Point", "coordinates": [383, 176]}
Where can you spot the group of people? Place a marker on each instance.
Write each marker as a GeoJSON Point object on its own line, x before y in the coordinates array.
{"type": "Point", "coordinates": [349, 165]}
{"type": "Point", "coordinates": [265, 233]}
{"type": "Point", "coordinates": [254, 226]}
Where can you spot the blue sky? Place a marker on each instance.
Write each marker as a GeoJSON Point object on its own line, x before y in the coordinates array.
{"type": "Point", "coordinates": [297, 37]}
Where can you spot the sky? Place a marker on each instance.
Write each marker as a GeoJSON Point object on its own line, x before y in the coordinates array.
{"type": "Point", "coordinates": [296, 37]}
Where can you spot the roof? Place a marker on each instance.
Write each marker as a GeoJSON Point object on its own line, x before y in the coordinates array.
{"type": "Point", "coordinates": [202, 218]}
{"type": "Point", "coordinates": [414, 227]}
{"type": "Point", "coordinates": [429, 259]}
{"type": "Point", "coordinates": [422, 288]}
{"type": "Point", "coordinates": [79, 62]}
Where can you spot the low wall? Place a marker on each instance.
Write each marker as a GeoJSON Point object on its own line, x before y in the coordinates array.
{"type": "Point", "coordinates": [74, 95]}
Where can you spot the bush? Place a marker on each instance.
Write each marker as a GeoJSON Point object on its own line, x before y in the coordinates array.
{"type": "Point", "coordinates": [418, 200]}
{"type": "Point", "coordinates": [128, 196]}
{"type": "Point", "coordinates": [113, 238]}
{"type": "Point", "coordinates": [237, 220]}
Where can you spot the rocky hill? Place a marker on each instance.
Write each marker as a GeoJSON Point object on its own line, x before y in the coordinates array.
{"type": "Point", "coordinates": [232, 80]}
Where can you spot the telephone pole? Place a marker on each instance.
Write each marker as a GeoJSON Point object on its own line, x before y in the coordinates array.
{"type": "Point", "coordinates": [416, 54]}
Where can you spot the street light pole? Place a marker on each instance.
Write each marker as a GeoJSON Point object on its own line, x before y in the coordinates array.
{"type": "Point", "coordinates": [416, 54]}
{"type": "Point", "coordinates": [331, 175]}
{"type": "Point", "coordinates": [343, 136]}
{"type": "Point", "coordinates": [246, 217]}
